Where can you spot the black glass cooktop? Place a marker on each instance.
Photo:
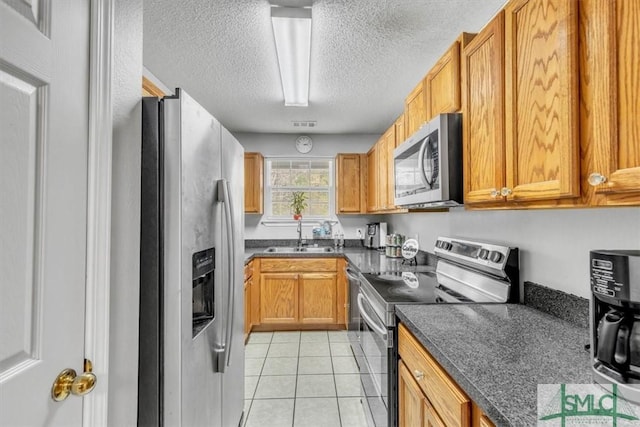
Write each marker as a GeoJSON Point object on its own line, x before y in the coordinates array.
{"type": "Point", "coordinates": [411, 288]}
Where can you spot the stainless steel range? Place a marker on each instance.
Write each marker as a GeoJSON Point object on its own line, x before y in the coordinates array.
{"type": "Point", "coordinates": [466, 272]}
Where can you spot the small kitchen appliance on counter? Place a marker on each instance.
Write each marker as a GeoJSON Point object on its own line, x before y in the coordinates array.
{"type": "Point", "coordinates": [466, 272]}
{"type": "Point", "coordinates": [376, 235]}
{"type": "Point", "coordinates": [615, 320]}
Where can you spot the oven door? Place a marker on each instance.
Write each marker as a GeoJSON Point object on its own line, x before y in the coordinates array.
{"type": "Point", "coordinates": [376, 340]}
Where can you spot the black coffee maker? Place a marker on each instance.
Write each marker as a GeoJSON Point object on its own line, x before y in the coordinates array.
{"type": "Point", "coordinates": [615, 320]}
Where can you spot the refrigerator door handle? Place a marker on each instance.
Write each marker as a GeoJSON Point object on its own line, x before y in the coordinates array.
{"type": "Point", "coordinates": [224, 349]}
{"type": "Point", "coordinates": [232, 271]}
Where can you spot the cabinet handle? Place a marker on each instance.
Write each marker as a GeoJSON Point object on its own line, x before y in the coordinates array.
{"type": "Point", "coordinates": [418, 374]}
{"type": "Point", "coordinates": [505, 191]}
{"type": "Point", "coordinates": [494, 193]}
{"type": "Point", "coordinates": [596, 179]}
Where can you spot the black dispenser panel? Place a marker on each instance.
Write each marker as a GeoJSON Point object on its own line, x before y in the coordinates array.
{"type": "Point", "coordinates": [203, 302]}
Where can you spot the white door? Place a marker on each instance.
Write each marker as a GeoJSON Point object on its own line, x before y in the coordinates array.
{"type": "Point", "coordinates": [44, 84]}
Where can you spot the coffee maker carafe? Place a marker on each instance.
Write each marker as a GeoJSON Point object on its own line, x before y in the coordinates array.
{"type": "Point", "coordinates": [615, 320]}
{"type": "Point", "coordinates": [376, 234]}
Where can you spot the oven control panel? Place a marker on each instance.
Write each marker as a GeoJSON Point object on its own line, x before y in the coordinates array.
{"type": "Point", "coordinates": [486, 256]}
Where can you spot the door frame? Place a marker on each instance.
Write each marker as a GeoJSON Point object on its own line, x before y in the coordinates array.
{"type": "Point", "coordinates": [96, 339]}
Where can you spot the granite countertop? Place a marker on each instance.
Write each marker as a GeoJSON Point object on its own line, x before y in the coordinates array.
{"type": "Point", "coordinates": [364, 260]}
{"type": "Point", "coordinates": [499, 353]}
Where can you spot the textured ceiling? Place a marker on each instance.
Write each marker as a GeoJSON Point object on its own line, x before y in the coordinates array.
{"type": "Point", "coordinates": [366, 55]}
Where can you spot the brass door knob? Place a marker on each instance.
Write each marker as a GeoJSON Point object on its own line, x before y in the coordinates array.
{"type": "Point", "coordinates": [68, 382]}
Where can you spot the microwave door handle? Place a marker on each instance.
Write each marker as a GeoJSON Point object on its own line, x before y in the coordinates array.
{"type": "Point", "coordinates": [423, 175]}
{"type": "Point", "coordinates": [376, 328]}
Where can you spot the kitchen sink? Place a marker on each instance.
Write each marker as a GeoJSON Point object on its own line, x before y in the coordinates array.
{"type": "Point", "coordinates": [310, 250]}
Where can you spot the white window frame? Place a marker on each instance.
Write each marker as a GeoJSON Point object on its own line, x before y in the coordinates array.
{"type": "Point", "coordinates": [268, 189]}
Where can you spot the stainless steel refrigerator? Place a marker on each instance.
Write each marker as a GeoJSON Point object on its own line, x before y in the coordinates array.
{"type": "Point", "coordinates": [191, 350]}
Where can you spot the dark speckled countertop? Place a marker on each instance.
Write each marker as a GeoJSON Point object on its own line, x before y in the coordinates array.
{"type": "Point", "coordinates": [499, 353]}
{"type": "Point", "coordinates": [365, 260]}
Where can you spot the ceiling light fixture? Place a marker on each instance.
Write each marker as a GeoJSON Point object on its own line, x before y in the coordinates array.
{"type": "Point", "coordinates": [292, 34]}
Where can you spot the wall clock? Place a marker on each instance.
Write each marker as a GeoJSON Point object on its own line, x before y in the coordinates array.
{"type": "Point", "coordinates": [304, 144]}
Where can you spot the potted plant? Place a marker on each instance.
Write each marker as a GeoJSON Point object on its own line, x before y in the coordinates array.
{"type": "Point", "coordinates": [298, 204]}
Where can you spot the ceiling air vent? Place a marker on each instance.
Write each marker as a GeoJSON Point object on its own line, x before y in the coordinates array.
{"type": "Point", "coordinates": [305, 124]}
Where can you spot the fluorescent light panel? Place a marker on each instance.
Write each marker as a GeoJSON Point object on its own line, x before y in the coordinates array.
{"type": "Point", "coordinates": [292, 33]}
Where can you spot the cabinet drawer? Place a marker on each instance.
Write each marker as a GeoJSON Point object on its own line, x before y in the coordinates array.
{"type": "Point", "coordinates": [298, 265]}
{"type": "Point", "coordinates": [449, 401]}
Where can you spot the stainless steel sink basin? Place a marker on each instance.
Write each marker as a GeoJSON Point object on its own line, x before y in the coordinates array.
{"type": "Point", "coordinates": [320, 250]}
{"type": "Point", "coordinates": [288, 249]}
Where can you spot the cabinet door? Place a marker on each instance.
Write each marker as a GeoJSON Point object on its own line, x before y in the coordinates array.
{"type": "Point", "coordinates": [542, 149]}
{"type": "Point", "coordinates": [348, 184]}
{"type": "Point", "coordinates": [483, 114]}
{"type": "Point", "coordinates": [430, 416]}
{"type": "Point", "coordinates": [610, 105]}
{"type": "Point", "coordinates": [372, 180]}
{"type": "Point", "coordinates": [400, 134]}
{"type": "Point", "coordinates": [485, 422]}
{"type": "Point", "coordinates": [410, 399]}
{"type": "Point", "coordinates": [318, 297]}
{"type": "Point", "coordinates": [415, 110]}
{"type": "Point", "coordinates": [442, 84]}
{"type": "Point", "coordinates": [278, 297]}
{"type": "Point", "coordinates": [253, 182]}
{"type": "Point", "coordinates": [383, 173]}
{"type": "Point", "coordinates": [247, 308]}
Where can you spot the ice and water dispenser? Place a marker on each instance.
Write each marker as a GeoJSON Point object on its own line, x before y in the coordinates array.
{"type": "Point", "coordinates": [203, 268]}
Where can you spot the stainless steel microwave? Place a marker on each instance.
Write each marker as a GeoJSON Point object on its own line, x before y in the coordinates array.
{"type": "Point", "coordinates": [428, 165]}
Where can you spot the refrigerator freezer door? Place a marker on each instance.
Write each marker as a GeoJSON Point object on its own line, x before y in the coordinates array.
{"type": "Point", "coordinates": [192, 223]}
{"type": "Point", "coordinates": [233, 383]}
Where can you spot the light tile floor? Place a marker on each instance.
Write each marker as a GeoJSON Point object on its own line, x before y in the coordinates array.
{"type": "Point", "coordinates": [301, 379]}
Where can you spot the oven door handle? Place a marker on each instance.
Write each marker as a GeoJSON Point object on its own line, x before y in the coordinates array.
{"type": "Point", "coordinates": [350, 274]}
{"type": "Point", "coordinates": [382, 331]}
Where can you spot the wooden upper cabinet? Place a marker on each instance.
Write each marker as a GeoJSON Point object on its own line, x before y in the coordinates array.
{"type": "Point", "coordinates": [400, 134]}
{"type": "Point", "coordinates": [372, 180]}
{"type": "Point", "coordinates": [350, 183]}
{"type": "Point", "coordinates": [390, 145]}
{"type": "Point", "coordinates": [610, 101]}
{"type": "Point", "coordinates": [149, 88]}
{"type": "Point", "coordinates": [415, 110]}
{"type": "Point", "coordinates": [483, 114]}
{"type": "Point", "coordinates": [383, 172]}
{"type": "Point", "coordinates": [253, 183]}
{"type": "Point", "coordinates": [442, 84]}
{"type": "Point", "coordinates": [541, 95]}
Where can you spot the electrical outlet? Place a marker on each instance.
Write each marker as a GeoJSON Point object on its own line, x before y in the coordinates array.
{"type": "Point", "coordinates": [359, 233]}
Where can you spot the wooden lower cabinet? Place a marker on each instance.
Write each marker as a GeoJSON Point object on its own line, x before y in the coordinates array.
{"type": "Point", "coordinates": [300, 293]}
{"type": "Point", "coordinates": [427, 395]}
{"type": "Point", "coordinates": [317, 297]}
{"type": "Point", "coordinates": [279, 298]}
{"type": "Point", "coordinates": [410, 399]}
{"type": "Point", "coordinates": [247, 308]}
{"type": "Point", "coordinates": [249, 298]}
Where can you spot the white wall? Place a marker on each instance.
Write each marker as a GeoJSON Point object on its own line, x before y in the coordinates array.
{"type": "Point", "coordinates": [323, 146]}
{"type": "Point", "coordinates": [554, 243]}
{"type": "Point", "coordinates": [125, 214]}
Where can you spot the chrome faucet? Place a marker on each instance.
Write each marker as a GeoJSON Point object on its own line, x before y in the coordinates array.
{"type": "Point", "coordinates": [300, 233]}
